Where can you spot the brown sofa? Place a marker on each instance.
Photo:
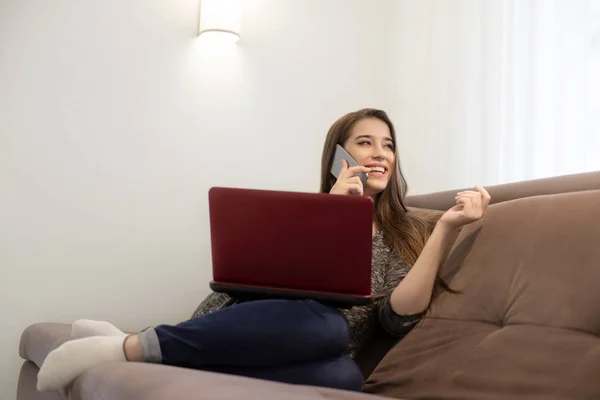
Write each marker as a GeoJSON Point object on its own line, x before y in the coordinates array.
{"type": "Point", "coordinates": [525, 325]}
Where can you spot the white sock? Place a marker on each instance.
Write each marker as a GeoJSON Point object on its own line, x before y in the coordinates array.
{"type": "Point", "coordinates": [75, 357]}
{"type": "Point", "coordinates": [83, 328]}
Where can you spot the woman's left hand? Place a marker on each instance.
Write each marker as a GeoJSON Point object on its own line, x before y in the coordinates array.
{"type": "Point", "coordinates": [470, 207]}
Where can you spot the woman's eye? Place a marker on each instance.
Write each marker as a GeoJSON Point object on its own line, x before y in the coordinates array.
{"type": "Point", "coordinates": [390, 146]}
{"type": "Point", "coordinates": [363, 143]}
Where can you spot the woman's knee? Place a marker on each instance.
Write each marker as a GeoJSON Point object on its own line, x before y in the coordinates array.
{"type": "Point", "coordinates": [344, 374]}
{"type": "Point", "coordinates": [334, 332]}
{"type": "Point", "coordinates": [339, 333]}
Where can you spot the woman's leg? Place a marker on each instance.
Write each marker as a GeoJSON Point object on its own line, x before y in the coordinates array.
{"type": "Point", "coordinates": [253, 334]}
{"type": "Point", "coordinates": [338, 373]}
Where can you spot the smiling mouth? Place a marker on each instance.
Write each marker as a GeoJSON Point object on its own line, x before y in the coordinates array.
{"type": "Point", "coordinates": [377, 170]}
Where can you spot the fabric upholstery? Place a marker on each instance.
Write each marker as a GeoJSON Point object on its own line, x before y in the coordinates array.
{"type": "Point", "coordinates": [39, 339]}
{"type": "Point", "coordinates": [511, 191]}
{"type": "Point", "coordinates": [527, 321]}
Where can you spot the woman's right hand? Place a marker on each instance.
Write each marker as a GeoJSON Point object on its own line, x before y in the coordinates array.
{"type": "Point", "coordinates": [347, 182]}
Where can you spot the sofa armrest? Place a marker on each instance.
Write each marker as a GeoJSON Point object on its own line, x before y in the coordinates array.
{"type": "Point", "coordinates": [40, 339]}
{"type": "Point", "coordinates": [138, 381]}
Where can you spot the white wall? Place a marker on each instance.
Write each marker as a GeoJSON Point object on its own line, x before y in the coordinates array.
{"type": "Point", "coordinates": [115, 121]}
{"type": "Point", "coordinates": [495, 91]}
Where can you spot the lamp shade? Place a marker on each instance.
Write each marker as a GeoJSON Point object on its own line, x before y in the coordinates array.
{"type": "Point", "coordinates": [221, 17]}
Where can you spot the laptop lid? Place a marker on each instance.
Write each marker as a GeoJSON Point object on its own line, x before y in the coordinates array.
{"type": "Point", "coordinates": [309, 242]}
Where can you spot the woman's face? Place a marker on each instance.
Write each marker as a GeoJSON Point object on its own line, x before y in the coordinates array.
{"type": "Point", "coordinates": [371, 144]}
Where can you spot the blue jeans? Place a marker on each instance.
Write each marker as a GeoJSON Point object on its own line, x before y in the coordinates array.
{"type": "Point", "coordinates": [291, 341]}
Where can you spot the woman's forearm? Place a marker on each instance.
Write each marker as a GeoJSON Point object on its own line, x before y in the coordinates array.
{"type": "Point", "coordinates": [413, 294]}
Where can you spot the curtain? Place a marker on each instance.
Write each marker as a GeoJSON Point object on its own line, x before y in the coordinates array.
{"type": "Point", "coordinates": [496, 91]}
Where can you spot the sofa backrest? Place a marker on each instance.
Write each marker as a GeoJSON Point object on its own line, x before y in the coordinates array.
{"type": "Point", "coordinates": [381, 342]}
{"type": "Point", "coordinates": [512, 191]}
{"type": "Point", "coordinates": [527, 321]}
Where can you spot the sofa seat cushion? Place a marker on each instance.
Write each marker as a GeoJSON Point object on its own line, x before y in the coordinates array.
{"type": "Point", "coordinates": [143, 381]}
{"type": "Point", "coordinates": [527, 321]}
{"type": "Point", "coordinates": [450, 359]}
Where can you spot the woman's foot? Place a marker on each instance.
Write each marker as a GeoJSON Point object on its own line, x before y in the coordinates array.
{"type": "Point", "coordinates": [75, 357]}
{"type": "Point", "coordinates": [83, 328]}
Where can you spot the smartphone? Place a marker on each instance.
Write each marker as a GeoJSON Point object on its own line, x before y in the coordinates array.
{"type": "Point", "coordinates": [336, 167]}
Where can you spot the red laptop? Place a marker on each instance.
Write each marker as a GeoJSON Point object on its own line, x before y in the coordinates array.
{"type": "Point", "coordinates": [274, 244]}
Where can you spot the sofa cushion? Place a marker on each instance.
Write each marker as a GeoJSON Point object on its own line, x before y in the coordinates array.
{"type": "Point", "coordinates": [26, 386]}
{"type": "Point", "coordinates": [142, 381]}
{"type": "Point", "coordinates": [527, 321]}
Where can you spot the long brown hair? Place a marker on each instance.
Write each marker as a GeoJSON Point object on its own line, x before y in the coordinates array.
{"type": "Point", "coordinates": [406, 231]}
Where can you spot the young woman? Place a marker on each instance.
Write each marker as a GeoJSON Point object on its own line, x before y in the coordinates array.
{"type": "Point", "coordinates": [300, 341]}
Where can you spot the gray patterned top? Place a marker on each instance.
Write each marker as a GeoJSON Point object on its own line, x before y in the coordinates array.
{"type": "Point", "coordinates": [387, 272]}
